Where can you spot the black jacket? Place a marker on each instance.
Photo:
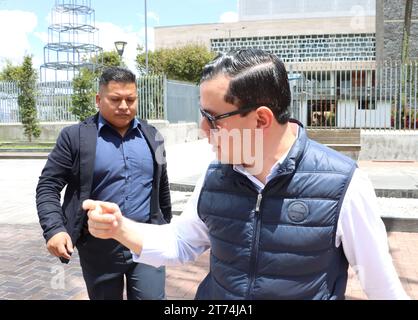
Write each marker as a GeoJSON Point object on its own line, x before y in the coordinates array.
{"type": "Point", "coordinates": [71, 164]}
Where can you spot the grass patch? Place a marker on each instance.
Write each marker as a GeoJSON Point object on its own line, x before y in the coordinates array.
{"type": "Point", "coordinates": [26, 145]}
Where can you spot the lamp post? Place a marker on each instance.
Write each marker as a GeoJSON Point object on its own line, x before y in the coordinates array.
{"type": "Point", "coordinates": [120, 47]}
{"type": "Point", "coordinates": [146, 39]}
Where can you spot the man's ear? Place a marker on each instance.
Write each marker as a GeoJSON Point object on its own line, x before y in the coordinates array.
{"type": "Point", "coordinates": [264, 117]}
{"type": "Point", "coordinates": [97, 100]}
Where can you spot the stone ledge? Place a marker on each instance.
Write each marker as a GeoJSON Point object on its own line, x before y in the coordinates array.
{"type": "Point", "coordinates": [23, 155]}
{"type": "Point", "coordinates": [394, 224]}
{"type": "Point", "coordinates": [397, 193]}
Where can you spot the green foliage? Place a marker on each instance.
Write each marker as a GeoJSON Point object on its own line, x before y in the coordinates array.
{"type": "Point", "coordinates": [183, 63]}
{"type": "Point", "coordinates": [10, 72]}
{"type": "Point", "coordinates": [84, 91]}
{"type": "Point", "coordinates": [107, 59]}
{"type": "Point", "coordinates": [26, 100]}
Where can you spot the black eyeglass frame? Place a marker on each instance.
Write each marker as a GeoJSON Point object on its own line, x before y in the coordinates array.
{"type": "Point", "coordinates": [212, 119]}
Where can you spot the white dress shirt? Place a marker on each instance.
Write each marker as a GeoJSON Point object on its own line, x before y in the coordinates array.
{"type": "Point", "coordinates": [360, 230]}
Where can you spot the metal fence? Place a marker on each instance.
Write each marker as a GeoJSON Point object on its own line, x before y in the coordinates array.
{"type": "Point", "coordinates": [53, 100]}
{"type": "Point", "coordinates": [182, 102]}
{"type": "Point", "coordinates": [9, 111]}
{"type": "Point", "coordinates": [340, 95]}
{"type": "Point", "coordinates": [377, 96]}
{"type": "Point", "coordinates": [151, 97]}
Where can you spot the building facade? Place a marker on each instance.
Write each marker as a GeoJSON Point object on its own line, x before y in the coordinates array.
{"type": "Point", "coordinates": [331, 49]}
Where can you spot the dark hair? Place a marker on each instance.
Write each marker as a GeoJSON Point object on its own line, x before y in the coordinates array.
{"type": "Point", "coordinates": [258, 78]}
{"type": "Point", "coordinates": [117, 74]}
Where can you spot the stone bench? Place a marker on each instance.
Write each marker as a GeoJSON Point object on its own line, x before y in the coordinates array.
{"type": "Point", "coordinates": [346, 141]}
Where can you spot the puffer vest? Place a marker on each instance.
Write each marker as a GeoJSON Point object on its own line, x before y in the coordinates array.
{"type": "Point", "coordinates": [280, 243]}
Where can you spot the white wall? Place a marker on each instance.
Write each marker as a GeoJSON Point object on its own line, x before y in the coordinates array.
{"type": "Point", "coordinates": [172, 133]}
{"type": "Point", "coordinates": [348, 112]}
{"type": "Point", "coordinates": [345, 113]}
{"type": "Point", "coordinates": [389, 145]}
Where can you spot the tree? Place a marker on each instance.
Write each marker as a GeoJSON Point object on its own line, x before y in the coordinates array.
{"type": "Point", "coordinates": [107, 59]}
{"type": "Point", "coordinates": [403, 115]}
{"type": "Point", "coordinates": [183, 63]}
{"type": "Point", "coordinates": [83, 104]}
{"type": "Point", "coordinates": [10, 72]}
{"type": "Point", "coordinates": [27, 98]}
{"type": "Point", "coordinates": [406, 31]}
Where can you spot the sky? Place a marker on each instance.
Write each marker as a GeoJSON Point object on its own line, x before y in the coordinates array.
{"type": "Point", "coordinates": [24, 23]}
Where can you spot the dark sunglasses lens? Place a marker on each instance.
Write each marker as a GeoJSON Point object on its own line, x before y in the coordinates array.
{"type": "Point", "coordinates": [209, 119]}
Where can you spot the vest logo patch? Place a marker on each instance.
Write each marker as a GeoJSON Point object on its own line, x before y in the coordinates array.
{"type": "Point", "coordinates": [297, 211]}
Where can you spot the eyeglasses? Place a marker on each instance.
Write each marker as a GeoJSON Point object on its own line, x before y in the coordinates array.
{"type": "Point", "coordinates": [212, 119]}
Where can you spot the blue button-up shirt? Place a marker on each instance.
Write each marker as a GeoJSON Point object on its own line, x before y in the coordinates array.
{"type": "Point", "coordinates": [123, 170]}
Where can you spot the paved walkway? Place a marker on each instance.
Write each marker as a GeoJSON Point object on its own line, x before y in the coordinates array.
{"type": "Point", "coordinates": [27, 271]}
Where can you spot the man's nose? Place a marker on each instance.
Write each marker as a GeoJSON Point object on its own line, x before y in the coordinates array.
{"type": "Point", "coordinates": [123, 105]}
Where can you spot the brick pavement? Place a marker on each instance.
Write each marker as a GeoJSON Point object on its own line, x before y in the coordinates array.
{"type": "Point", "coordinates": [27, 271]}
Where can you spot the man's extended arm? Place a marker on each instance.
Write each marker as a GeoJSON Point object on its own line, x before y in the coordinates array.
{"type": "Point", "coordinates": [184, 239]}
{"type": "Point", "coordinates": [106, 222]}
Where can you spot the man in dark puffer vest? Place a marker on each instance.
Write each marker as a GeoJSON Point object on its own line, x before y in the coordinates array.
{"type": "Point", "coordinates": [283, 215]}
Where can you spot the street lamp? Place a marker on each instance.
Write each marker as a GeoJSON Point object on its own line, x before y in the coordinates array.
{"type": "Point", "coordinates": [120, 47]}
{"type": "Point", "coordinates": [146, 38]}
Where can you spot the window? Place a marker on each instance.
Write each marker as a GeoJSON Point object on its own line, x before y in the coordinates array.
{"type": "Point", "coordinates": [366, 104]}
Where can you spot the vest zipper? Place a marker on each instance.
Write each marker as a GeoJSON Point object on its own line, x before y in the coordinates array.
{"type": "Point", "coordinates": [257, 205]}
{"type": "Point", "coordinates": [254, 245]}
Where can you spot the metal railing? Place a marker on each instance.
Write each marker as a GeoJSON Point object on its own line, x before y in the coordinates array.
{"type": "Point", "coordinates": [53, 100]}
{"type": "Point", "coordinates": [382, 96]}
{"type": "Point", "coordinates": [151, 97]}
{"type": "Point", "coordinates": [9, 110]}
{"type": "Point", "coordinates": [350, 95]}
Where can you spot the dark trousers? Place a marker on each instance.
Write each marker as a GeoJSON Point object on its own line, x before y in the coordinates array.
{"type": "Point", "coordinates": [107, 265]}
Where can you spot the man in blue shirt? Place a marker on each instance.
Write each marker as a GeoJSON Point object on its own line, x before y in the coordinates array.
{"type": "Point", "coordinates": [113, 157]}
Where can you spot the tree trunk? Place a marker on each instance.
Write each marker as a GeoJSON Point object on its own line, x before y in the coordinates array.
{"type": "Point", "coordinates": [406, 31]}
